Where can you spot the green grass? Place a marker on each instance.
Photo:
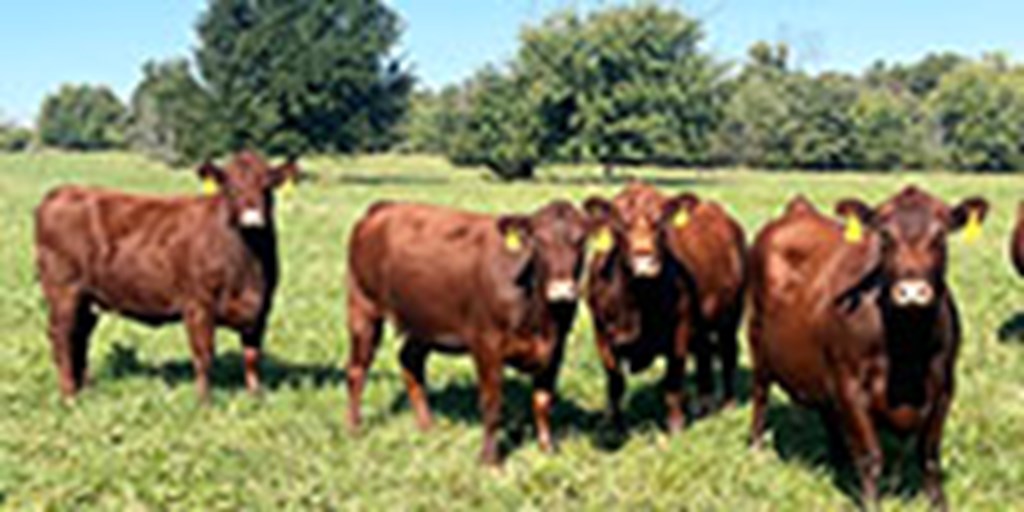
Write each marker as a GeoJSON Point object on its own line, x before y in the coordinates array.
{"type": "Point", "coordinates": [137, 438]}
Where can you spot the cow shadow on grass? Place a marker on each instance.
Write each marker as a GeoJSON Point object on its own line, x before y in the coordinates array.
{"type": "Point", "coordinates": [123, 362]}
{"type": "Point", "coordinates": [1012, 330]}
{"type": "Point", "coordinates": [798, 436]}
{"type": "Point", "coordinates": [643, 411]}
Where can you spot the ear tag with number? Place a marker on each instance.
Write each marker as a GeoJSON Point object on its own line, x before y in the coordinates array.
{"type": "Point", "coordinates": [972, 231]}
{"type": "Point", "coordinates": [209, 186]}
{"type": "Point", "coordinates": [854, 231]}
{"type": "Point", "coordinates": [681, 219]}
{"type": "Point", "coordinates": [513, 241]}
{"type": "Point", "coordinates": [603, 241]}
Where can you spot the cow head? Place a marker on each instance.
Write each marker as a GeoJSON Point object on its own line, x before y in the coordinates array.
{"type": "Point", "coordinates": [636, 223]}
{"type": "Point", "coordinates": [913, 227]}
{"type": "Point", "coordinates": [246, 184]}
{"type": "Point", "coordinates": [553, 240]}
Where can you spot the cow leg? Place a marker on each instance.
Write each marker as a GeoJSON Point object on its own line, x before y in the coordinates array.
{"type": "Point", "coordinates": [364, 327]}
{"type": "Point", "coordinates": [760, 388]}
{"type": "Point", "coordinates": [616, 381]}
{"type": "Point", "coordinates": [488, 367]}
{"type": "Point", "coordinates": [929, 450]}
{"type": "Point", "coordinates": [861, 437]}
{"type": "Point", "coordinates": [200, 325]}
{"type": "Point", "coordinates": [704, 352]}
{"type": "Point", "coordinates": [252, 352]}
{"type": "Point", "coordinates": [728, 350]}
{"type": "Point", "coordinates": [414, 360]}
{"type": "Point", "coordinates": [544, 385]}
{"type": "Point", "coordinates": [85, 323]}
{"type": "Point", "coordinates": [63, 316]}
{"type": "Point", "coordinates": [675, 396]}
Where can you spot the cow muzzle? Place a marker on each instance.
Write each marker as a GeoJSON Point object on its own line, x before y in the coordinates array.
{"type": "Point", "coordinates": [646, 265]}
{"type": "Point", "coordinates": [252, 218]}
{"type": "Point", "coordinates": [562, 290]}
{"type": "Point", "coordinates": [908, 293]}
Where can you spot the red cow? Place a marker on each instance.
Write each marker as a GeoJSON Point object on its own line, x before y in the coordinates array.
{"type": "Point", "coordinates": [860, 324]}
{"type": "Point", "coordinates": [208, 261]}
{"type": "Point", "coordinates": [501, 288]}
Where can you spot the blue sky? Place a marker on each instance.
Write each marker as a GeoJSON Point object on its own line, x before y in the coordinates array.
{"type": "Point", "coordinates": [44, 43]}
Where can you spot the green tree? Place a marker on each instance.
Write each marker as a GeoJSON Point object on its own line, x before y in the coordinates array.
{"type": "Point", "coordinates": [305, 75]}
{"type": "Point", "coordinates": [433, 120]}
{"type": "Point", "coordinates": [170, 115]}
{"type": "Point", "coordinates": [821, 106]}
{"type": "Point", "coordinates": [759, 124]}
{"type": "Point", "coordinates": [622, 85]}
{"type": "Point", "coordinates": [501, 129]}
{"type": "Point", "coordinates": [919, 78]}
{"type": "Point", "coordinates": [890, 131]}
{"type": "Point", "coordinates": [82, 117]}
{"type": "Point", "coordinates": [979, 110]}
{"type": "Point", "coordinates": [13, 138]}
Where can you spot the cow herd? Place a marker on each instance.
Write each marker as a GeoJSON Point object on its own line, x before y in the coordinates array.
{"type": "Point", "coordinates": [850, 314]}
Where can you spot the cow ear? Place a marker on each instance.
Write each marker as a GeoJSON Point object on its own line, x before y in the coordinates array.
{"type": "Point", "coordinates": [969, 215]}
{"type": "Point", "coordinates": [285, 174]}
{"type": "Point", "coordinates": [856, 214]}
{"type": "Point", "coordinates": [678, 210]}
{"type": "Point", "coordinates": [213, 177]}
{"type": "Point", "coordinates": [515, 231]}
{"type": "Point", "coordinates": [600, 212]}
{"type": "Point", "coordinates": [852, 207]}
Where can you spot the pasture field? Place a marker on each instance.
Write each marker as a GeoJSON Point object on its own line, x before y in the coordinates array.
{"type": "Point", "coordinates": [138, 440]}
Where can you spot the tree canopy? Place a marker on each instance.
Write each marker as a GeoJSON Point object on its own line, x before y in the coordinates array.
{"type": "Point", "coordinates": [82, 117]}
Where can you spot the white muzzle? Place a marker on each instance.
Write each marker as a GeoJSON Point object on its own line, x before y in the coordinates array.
{"type": "Point", "coordinates": [646, 266]}
{"type": "Point", "coordinates": [252, 218]}
{"type": "Point", "coordinates": [562, 290]}
{"type": "Point", "coordinates": [912, 292]}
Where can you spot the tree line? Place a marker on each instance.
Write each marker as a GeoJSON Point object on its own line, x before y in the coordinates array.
{"type": "Point", "coordinates": [615, 86]}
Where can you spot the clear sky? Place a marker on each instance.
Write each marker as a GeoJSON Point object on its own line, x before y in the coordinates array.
{"type": "Point", "coordinates": [46, 42]}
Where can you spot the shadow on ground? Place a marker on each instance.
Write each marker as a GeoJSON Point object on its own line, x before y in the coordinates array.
{"type": "Point", "coordinates": [798, 436]}
{"type": "Point", "coordinates": [1012, 329]}
{"type": "Point", "coordinates": [643, 410]}
{"type": "Point", "coordinates": [123, 362]}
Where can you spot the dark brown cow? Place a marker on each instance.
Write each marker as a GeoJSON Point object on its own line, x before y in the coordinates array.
{"type": "Point", "coordinates": [206, 260]}
{"type": "Point", "coordinates": [503, 289]}
{"type": "Point", "coordinates": [860, 324]}
{"type": "Point", "coordinates": [712, 247]}
{"type": "Point", "coordinates": [1017, 242]}
{"type": "Point", "coordinates": [653, 256]}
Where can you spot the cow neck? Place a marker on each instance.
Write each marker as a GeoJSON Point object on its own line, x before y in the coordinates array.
{"type": "Point", "coordinates": [910, 345]}
{"type": "Point", "coordinates": [539, 318]}
{"type": "Point", "coordinates": [260, 244]}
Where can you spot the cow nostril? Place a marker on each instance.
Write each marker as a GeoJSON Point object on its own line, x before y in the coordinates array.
{"type": "Point", "coordinates": [912, 292]}
{"type": "Point", "coordinates": [562, 290]}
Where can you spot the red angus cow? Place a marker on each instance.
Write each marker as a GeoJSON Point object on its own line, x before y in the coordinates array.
{"type": "Point", "coordinates": [208, 261]}
{"type": "Point", "coordinates": [712, 247]}
{"type": "Point", "coordinates": [640, 298]}
{"type": "Point", "coordinates": [502, 289]}
{"type": "Point", "coordinates": [862, 326]}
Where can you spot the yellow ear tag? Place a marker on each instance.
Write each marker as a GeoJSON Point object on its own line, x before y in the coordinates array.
{"type": "Point", "coordinates": [854, 232]}
{"type": "Point", "coordinates": [681, 218]}
{"type": "Point", "coordinates": [603, 241]}
{"type": "Point", "coordinates": [972, 231]}
{"type": "Point", "coordinates": [209, 186]}
{"type": "Point", "coordinates": [288, 188]}
{"type": "Point", "coordinates": [513, 241]}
